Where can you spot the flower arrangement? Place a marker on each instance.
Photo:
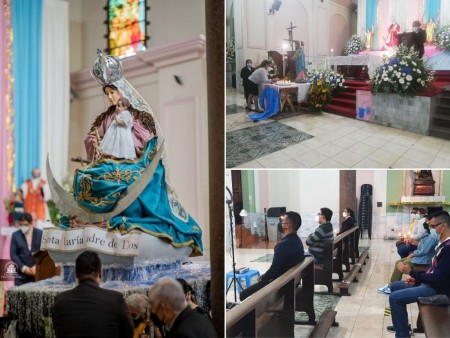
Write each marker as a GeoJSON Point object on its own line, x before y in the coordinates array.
{"type": "Point", "coordinates": [326, 75]}
{"type": "Point", "coordinates": [54, 212]}
{"type": "Point", "coordinates": [319, 95]}
{"type": "Point", "coordinates": [230, 47]}
{"type": "Point", "coordinates": [274, 72]}
{"type": "Point", "coordinates": [354, 45]}
{"type": "Point", "coordinates": [404, 74]}
{"type": "Point", "coordinates": [442, 37]}
{"type": "Point", "coordinates": [9, 203]}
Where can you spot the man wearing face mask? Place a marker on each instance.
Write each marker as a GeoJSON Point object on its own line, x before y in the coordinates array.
{"type": "Point", "coordinates": [245, 73]}
{"type": "Point", "coordinates": [421, 257]}
{"type": "Point", "coordinates": [168, 304]}
{"type": "Point", "coordinates": [436, 280]}
{"type": "Point", "coordinates": [324, 232]}
{"type": "Point", "coordinates": [36, 193]}
{"type": "Point", "coordinates": [88, 310]}
{"type": "Point", "coordinates": [419, 37]}
{"type": "Point", "coordinates": [24, 243]}
{"type": "Point", "coordinates": [287, 253]}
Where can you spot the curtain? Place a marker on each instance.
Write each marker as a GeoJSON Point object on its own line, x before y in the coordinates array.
{"type": "Point", "coordinates": [6, 118]}
{"type": "Point", "coordinates": [361, 18]}
{"type": "Point", "coordinates": [432, 10]}
{"type": "Point", "coordinates": [371, 14]}
{"type": "Point", "coordinates": [444, 13]}
{"type": "Point", "coordinates": [27, 27]}
{"type": "Point", "coordinates": [405, 12]}
{"type": "Point", "coordinates": [55, 87]}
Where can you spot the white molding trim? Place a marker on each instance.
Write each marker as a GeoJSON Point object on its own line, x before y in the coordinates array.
{"type": "Point", "coordinates": [149, 61]}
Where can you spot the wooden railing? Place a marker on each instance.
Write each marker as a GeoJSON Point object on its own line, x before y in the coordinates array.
{"type": "Point", "coordinates": [270, 312]}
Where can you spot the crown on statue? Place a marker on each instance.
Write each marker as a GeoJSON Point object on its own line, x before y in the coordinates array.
{"type": "Point", "coordinates": [106, 69]}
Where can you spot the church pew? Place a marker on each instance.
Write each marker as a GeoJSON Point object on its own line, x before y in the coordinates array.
{"type": "Point", "coordinates": [324, 324]}
{"type": "Point", "coordinates": [270, 312]}
{"type": "Point", "coordinates": [344, 285]}
{"type": "Point", "coordinates": [435, 320]}
{"type": "Point", "coordinates": [333, 260]}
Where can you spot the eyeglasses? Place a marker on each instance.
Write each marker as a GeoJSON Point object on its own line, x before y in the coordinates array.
{"type": "Point", "coordinates": [433, 226]}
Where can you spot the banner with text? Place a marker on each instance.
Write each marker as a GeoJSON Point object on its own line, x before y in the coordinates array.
{"type": "Point", "coordinates": [90, 237]}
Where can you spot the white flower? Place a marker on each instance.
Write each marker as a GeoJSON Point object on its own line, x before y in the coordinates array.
{"type": "Point", "coordinates": [401, 81]}
{"type": "Point", "coordinates": [419, 71]}
{"type": "Point", "coordinates": [408, 77]}
{"type": "Point", "coordinates": [385, 79]}
{"type": "Point", "coordinates": [340, 84]}
{"type": "Point", "coordinates": [390, 68]}
{"type": "Point", "coordinates": [418, 80]}
{"type": "Point", "coordinates": [415, 64]}
{"type": "Point", "coordinates": [422, 83]}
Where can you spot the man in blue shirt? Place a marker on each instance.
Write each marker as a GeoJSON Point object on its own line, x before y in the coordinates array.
{"type": "Point", "coordinates": [288, 253]}
{"type": "Point", "coordinates": [422, 284]}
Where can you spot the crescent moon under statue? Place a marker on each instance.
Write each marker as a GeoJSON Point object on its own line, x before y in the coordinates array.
{"type": "Point", "coordinates": [65, 201]}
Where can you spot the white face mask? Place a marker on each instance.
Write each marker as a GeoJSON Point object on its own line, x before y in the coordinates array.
{"type": "Point", "coordinates": [317, 219]}
{"type": "Point", "coordinates": [344, 214]}
{"type": "Point", "coordinates": [249, 65]}
{"type": "Point", "coordinates": [415, 29]}
{"type": "Point", "coordinates": [432, 231]}
{"type": "Point", "coordinates": [24, 228]}
{"type": "Point", "coordinates": [269, 69]}
{"type": "Point", "coordinates": [417, 216]}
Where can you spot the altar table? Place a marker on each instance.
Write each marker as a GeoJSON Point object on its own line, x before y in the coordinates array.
{"type": "Point", "coordinates": [285, 93]}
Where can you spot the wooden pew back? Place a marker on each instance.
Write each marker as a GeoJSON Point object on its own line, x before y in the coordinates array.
{"type": "Point", "coordinates": [260, 314]}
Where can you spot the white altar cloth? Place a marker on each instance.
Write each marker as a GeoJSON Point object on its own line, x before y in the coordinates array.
{"type": "Point", "coordinates": [371, 61]}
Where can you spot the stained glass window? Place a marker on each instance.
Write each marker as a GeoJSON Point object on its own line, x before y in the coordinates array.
{"type": "Point", "coordinates": [127, 26]}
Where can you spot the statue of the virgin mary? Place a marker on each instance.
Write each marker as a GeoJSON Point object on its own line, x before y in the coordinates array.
{"type": "Point", "coordinates": [122, 195]}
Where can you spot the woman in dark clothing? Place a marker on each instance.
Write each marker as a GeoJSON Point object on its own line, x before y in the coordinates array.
{"type": "Point", "coordinates": [190, 298]}
{"type": "Point", "coordinates": [349, 220]}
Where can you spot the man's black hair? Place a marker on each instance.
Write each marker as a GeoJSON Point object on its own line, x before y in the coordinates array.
{"type": "Point", "coordinates": [295, 219]}
{"type": "Point", "coordinates": [87, 263]}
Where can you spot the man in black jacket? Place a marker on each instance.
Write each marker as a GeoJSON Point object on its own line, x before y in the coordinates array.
{"type": "Point", "coordinates": [168, 304]}
{"type": "Point", "coordinates": [88, 310]}
{"type": "Point", "coordinates": [24, 244]}
{"type": "Point", "coordinates": [287, 253]}
{"type": "Point", "coordinates": [419, 38]}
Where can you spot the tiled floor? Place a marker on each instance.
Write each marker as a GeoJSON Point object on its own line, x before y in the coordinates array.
{"type": "Point", "coordinates": [341, 142]}
{"type": "Point", "coordinates": [362, 313]}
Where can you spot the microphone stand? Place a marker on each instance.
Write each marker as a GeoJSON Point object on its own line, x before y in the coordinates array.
{"type": "Point", "coordinates": [234, 280]}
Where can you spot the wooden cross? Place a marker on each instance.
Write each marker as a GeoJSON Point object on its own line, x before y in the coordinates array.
{"type": "Point", "coordinates": [291, 38]}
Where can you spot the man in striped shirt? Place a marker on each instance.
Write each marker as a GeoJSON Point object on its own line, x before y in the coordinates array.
{"type": "Point", "coordinates": [323, 233]}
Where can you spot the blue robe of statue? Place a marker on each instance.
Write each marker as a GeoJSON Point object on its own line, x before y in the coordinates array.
{"type": "Point", "coordinates": [100, 185]}
{"type": "Point", "coordinates": [300, 64]}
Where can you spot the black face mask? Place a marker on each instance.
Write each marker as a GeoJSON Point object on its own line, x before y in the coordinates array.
{"type": "Point", "coordinates": [156, 321]}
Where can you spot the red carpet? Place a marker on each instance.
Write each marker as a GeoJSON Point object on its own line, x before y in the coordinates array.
{"type": "Point", "coordinates": [344, 103]}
